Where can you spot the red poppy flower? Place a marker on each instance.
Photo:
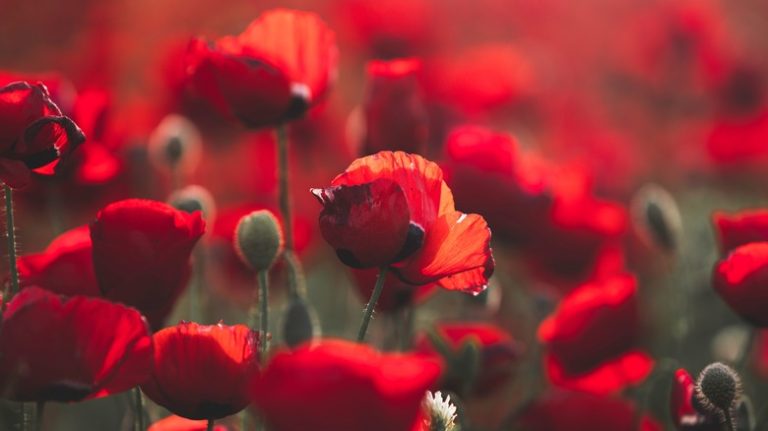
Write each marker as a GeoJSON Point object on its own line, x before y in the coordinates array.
{"type": "Point", "coordinates": [481, 80]}
{"type": "Point", "coordinates": [686, 415]}
{"type": "Point", "coordinates": [178, 423]}
{"type": "Point", "coordinates": [33, 132]}
{"type": "Point", "coordinates": [391, 29]}
{"type": "Point", "coordinates": [591, 338]}
{"type": "Point", "coordinates": [282, 64]}
{"type": "Point", "coordinates": [394, 109]}
{"type": "Point", "coordinates": [202, 372]}
{"type": "Point", "coordinates": [740, 228]}
{"type": "Point", "coordinates": [395, 209]}
{"type": "Point", "coordinates": [141, 252]}
{"type": "Point", "coordinates": [65, 267]}
{"type": "Point", "coordinates": [70, 349]}
{"type": "Point", "coordinates": [498, 353]}
{"type": "Point", "coordinates": [490, 175]}
{"type": "Point", "coordinates": [343, 386]}
{"type": "Point", "coordinates": [740, 279]}
{"type": "Point", "coordinates": [574, 411]}
{"type": "Point", "coordinates": [396, 294]}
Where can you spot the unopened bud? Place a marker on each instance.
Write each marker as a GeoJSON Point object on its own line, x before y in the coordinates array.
{"type": "Point", "coordinates": [718, 390]}
{"type": "Point", "coordinates": [299, 323]}
{"type": "Point", "coordinates": [195, 198]}
{"type": "Point", "coordinates": [656, 217]}
{"type": "Point", "coordinates": [175, 144]}
{"type": "Point", "coordinates": [259, 240]}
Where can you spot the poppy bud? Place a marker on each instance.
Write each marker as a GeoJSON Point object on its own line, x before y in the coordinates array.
{"type": "Point", "coordinates": [175, 144]}
{"type": "Point", "coordinates": [259, 240]}
{"type": "Point", "coordinates": [657, 217]}
{"type": "Point", "coordinates": [195, 198]}
{"type": "Point", "coordinates": [718, 390]}
{"type": "Point", "coordinates": [299, 322]}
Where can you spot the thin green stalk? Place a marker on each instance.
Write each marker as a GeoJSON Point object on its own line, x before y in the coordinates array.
{"type": "Point", "coordinates": [138, 407]}
{"type": "Point", "coordinates": [11, 235]}
{"type": "Point", "coordinates": [372, 304]}
{"type": "Point", "coordinates": [284, 183]}
{"type": "Point", "coordinates": [39, 415]}
{"type": "Point", "coordinates": [210, 425]}
{"type": "Point", "coordinates": [264, 304]}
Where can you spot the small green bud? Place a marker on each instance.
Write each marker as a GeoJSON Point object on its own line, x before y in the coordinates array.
{"type": "Point", "coordinates": [176, 144]}
{"type": "Point", "coordinates": [657, 218]}
{"type": "Point", "coordinates": [194, 198]}
{"type": "Point", "coordinates": [259, 240]}
{"type": "Point", "coordinates": [299, 322]}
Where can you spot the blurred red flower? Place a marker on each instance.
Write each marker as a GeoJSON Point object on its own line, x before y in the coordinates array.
{"type": "Point", "coordinates": [740, 279]}
{"type": "Point", "coordinates": [70, 349]}
{"type": "Point", "coordinates": [141, 253]}
{"type": "Point", "coordinates": [498, 353]}
{"type": "Point", "coordinates": [65, 267]}
{"type": "Point", "coordinates": [342, 386]}
{"type": "Point", "coordinates": [575, 411]}
{"type": "Point", "coordinates": [394, 109]}
{"type": "Point", "coordinates": [178, 423]}
{"type": "Point", "coordinates": [33, 133]}
{"type": "Point", "coordinates": [743, 227]}
{"type": "Point", "coordinates": [281, 65]}
{"type": "Point", "coordinates": [395, 209]}
{"type": "Point", "coordinates": [202, 372]}
{"type": "Point", "coordinates": [592, 338]}
{"type": "Point", "coordinates": [686, 415]}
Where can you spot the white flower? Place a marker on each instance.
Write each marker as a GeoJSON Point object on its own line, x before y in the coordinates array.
{"type": "Point", "coordinates": [441, 414]}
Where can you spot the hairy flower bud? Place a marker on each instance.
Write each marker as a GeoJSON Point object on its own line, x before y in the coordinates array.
{"type": "Point", "coordinates": [259, 240]}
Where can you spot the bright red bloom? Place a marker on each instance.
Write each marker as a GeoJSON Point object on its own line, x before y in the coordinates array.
{"type": "Point", "coordinates": [686, 415]}
{"type": "Point", "coordinates": [741, 279]}
{"type": "Point", "coordinates": [65, 267]}
{"type": "Point", "coordinates": [202, 372]}
{"type": "Point", "coordinates": [574, 411]}
{"type": "Point", "coordinates": [178, 423]}
{"type": "Point", "coordinates": [395, 209]}
{"type": "Point", "coordinates": [591, 338]}
{"type": "Point", "coordinates": [343, 386]}
{"type": "Point", "coordinates": [141, 252]}
{"type": "Point", "coordinates": [734, 230]}
{"type": "Point", "coordinates": [490, 175]}
{"type": "Point", "coordinates": [391, 29]}
{"type": "Point", "coordinates": [394, 109]}
{"type": "Point", "coordinates": [70, 349]}
{"type": "Point", "coordinates": [481, 80]}
{"type": "Point", "coordinates": [33, 132]}
{"type": "Point", "coordinates": [498, 353]}
{"type": "Point", "coordinates": [396, 294]}
{"type": "Point", "coordinates": [282, 64]}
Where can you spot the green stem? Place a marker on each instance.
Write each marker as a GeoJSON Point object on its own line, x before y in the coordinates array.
{"type": "Point", "coordinates": [372, 304]}
{"type": "Point", "coordinates": [210, 425]}
{"type": "Point", "coordinates": [264, 304]}
{"type": "Point", "coordinates": [284, 183]}
{"type": "Point", "coordinates": [39, 415]}
{"type": "Point", "coordinates": [138, 408]}
{"type": "Point", "coordinates": [11, 234]}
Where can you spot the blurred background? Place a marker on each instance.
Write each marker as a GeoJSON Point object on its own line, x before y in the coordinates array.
{"type": "Point", "coordinates": [600, 97]}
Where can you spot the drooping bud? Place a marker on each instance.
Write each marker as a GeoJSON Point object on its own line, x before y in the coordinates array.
{"type": "Point", "coordinates": [657, 217]}
{"type": "Point", "coordinates": [718, 390]}
{"type": "Point", "coordinates": [195, 198]}
{"type": "Point", "coordinates": [300, 323]}
{"type": "Point", "coordinates": [259, 240]}
{"type": "Point", "coordinates": [175, 144]}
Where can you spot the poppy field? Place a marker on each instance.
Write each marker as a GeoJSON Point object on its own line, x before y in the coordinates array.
{"type": "Point", "coordinates": [394, 215]}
